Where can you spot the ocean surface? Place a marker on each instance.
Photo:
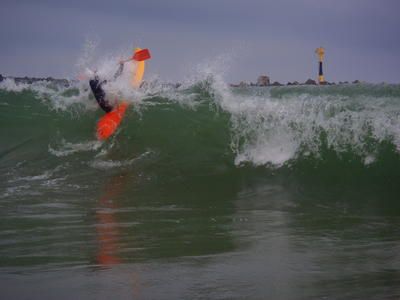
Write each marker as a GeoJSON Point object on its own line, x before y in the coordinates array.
{"type": "Point", "coordinates": [204, 192]}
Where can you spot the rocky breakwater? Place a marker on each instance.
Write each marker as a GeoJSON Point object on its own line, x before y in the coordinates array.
{"type": "Point", "coordinates": [264, 81]}
{"type": "Point", "coordinates": [30, 80]}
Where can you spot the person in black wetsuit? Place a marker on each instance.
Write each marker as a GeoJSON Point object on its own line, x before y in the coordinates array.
{"type": "Point", "coordinates": [98, 92]}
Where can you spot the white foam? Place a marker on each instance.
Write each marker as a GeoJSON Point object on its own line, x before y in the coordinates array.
{"type": "Point", "coordinates": [67, 148]}
{"type": "Point", "coordinates": [105, 164]}
{"type": "Point", "coordinates": [10, 85]}
{"type": "Point", "coordinates": [273, 131]}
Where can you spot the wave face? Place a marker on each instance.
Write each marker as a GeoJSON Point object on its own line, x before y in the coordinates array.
{"type": "Point", "coordinates": [207, 123]}
{"type": "Point", "coordinates": [260, 126]}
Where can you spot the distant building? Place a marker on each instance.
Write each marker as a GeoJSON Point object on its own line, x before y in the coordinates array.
{"type": "Point", "coordinates": [263, 80]}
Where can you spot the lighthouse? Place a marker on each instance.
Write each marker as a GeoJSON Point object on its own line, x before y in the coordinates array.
{"type": "Point", "coordinates": [320, 52]}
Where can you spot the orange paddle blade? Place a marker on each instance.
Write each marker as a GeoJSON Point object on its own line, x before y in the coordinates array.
{"type": "Point", "coordinates": [141, 55]}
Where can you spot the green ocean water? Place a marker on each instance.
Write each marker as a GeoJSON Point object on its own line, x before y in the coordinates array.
{"type": "Point", "coordinates": [205, 192]}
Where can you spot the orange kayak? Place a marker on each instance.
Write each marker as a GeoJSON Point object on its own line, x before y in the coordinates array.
{"type": "Point", "coordinates": [109, 123]}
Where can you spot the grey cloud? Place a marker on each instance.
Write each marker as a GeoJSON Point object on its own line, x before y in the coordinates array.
{"type": "Point", "coordinates": [277, 37]}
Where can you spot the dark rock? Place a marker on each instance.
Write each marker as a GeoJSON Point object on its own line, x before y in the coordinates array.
{"type": "Point", "coordinates": [1, 78]}
{"type": "Point", "coordinates": [30, 80]}
{"type": "Point", "coordinates": [356, 82]}
{"type": "Point", "coordinates": [276, 83]}
{"type": "Point", "coordinates": [310, 82]}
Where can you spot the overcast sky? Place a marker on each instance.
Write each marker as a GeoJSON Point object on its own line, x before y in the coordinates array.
{"type": "Point", "coordinates": [277, 38]}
